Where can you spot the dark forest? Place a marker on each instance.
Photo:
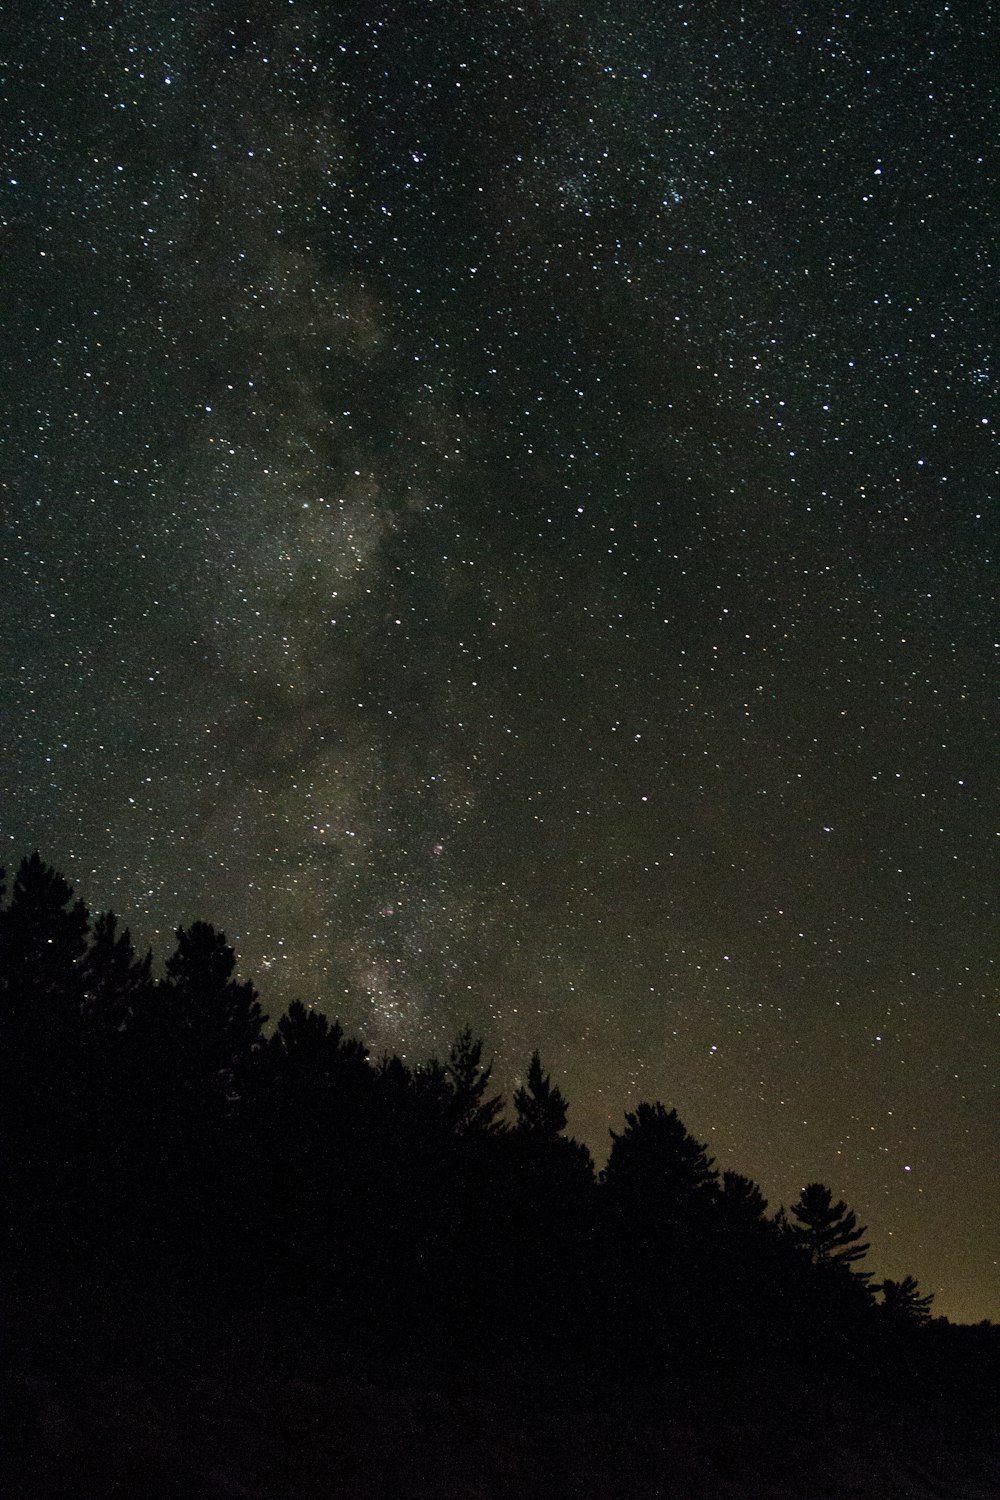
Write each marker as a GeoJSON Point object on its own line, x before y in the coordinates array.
{"type": "Point", "coordinates": [249, 1258]}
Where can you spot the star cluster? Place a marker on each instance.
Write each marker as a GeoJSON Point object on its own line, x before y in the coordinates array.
{"type": "Point", "coordinates": [498, 513]}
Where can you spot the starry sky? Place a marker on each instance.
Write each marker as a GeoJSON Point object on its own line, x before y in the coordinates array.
{"type": "Point", "coordinates": [498, 514]}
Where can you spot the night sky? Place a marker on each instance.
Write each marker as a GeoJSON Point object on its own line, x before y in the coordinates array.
{"type": "Point", "coordinates": [498, 515]}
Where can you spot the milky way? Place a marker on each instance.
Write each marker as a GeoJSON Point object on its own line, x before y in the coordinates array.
{"type": "Point", "coordinates": [498, 515]}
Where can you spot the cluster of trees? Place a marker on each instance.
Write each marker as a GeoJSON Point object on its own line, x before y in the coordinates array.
{"type": "Point", "coordinates": [165, 1157]}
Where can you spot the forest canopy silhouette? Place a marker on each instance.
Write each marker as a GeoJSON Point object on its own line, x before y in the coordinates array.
{"type": "Point", "coordinates": [183, 1183]}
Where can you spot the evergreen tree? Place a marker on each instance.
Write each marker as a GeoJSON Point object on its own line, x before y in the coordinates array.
{"type": "Point", "coordinates": [210, 1021]}
{"type": "Point", "coordinates": [741, 1202]}
{"type": "Point", "coordinates": [654, 1157]}
{"type": "Point", "coordinates": [114, 980]}
{"type": "Point", "coordinates": [116, 986]}
{"type": "Point", "coordinates": [827, 1231]}
{"type": "Point", "coordinates": [313, 1051]}
{"type": "Point", "coordinates": [541, 1108]}
{"type": "Point", "coordinates": [429, 1090]}
{"type": "Point", "coordinates": [156, 1151]}
{"type": "Point", "coordinates": [311, 1089]}
{"type": "Point", "coordinates": [471, 1110]}
{"type": "Point", "coordinates": [902, 1303]}
{"type": "Point", "coordinates": [43, 939]}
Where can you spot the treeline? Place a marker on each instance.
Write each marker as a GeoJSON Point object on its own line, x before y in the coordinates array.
{"type": "Point", "coordinates": [179, 1183]}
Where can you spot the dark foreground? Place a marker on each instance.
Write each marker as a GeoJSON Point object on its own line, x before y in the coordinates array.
{"type": "Point", "coordinates": [239, 1434]}
{"type": "Point", "coordinates": [261, 1264]}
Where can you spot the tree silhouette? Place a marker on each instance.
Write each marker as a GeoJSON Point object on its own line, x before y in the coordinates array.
{"type": "Point", "coordinates": [189, 1051]}
{"type": "Point", "coordinates": [170, 1173]}
{"type": "Point", "coordinates": [309, 1095]}
{"type": "Point", "coordinates": [210, 1021]}
{"type": "Point", "coordinates": [741, 1203]}
{"type": "Point", "coordinates": [827, 1231]}
{"type": "Point", "coordinates": [471, 1110]}
{"type": "Point", "coordinates": [550, 1164]}
{"type": "Point", "coordinates": [541, 1108]}
{"type": "Point", "coordinates": [43, 939]}
{"type": "Point", "coordinates": [114, 980]}
{"type": "Point", "coordinates": [658, 1190]}
{"type": "Point", "coordinates": [116, 986]}
{"type": "Point", "coordinates": [903, 1304]}
{"type": "Point", "coordinates": [656, 1159]}
{"type": "Point", "coordinates": [312, 1053]}
{"type": "Point", "coordinates": [306, 1159]}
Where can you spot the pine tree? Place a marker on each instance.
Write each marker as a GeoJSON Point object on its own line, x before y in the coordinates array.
{"type": "Point", "coordinates": [541, 1108]}
{"type": "Point", "coordinates": [827, 1231]}
{"type": "Point", "coordinates": [903, 1304]}
{"type": "Point", "coordinates": [192, 1043]}
{"type": "Point", "coordinates": [741, 1202]}
{"type": "Point", "coordinates": [471, 1110]}
{"type": "Point", "coordinates": [43, 939]}
{"type": "Point", "coordinates": [115, 981]}
{"type": "Point", "coordinates": [656, 1158]}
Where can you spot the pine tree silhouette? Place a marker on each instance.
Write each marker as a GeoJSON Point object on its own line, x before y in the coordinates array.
{"type": "Point", "coordinates": [903, 1304]}
{"type": "Point", "coordinates": [471, 1109]}
{"type": "Point", "coordinates": [827, 1231]}
{"type": "Point", "coordinates": [43, 939]}
{"type": "Point", "coordinates": [541, 1108]}
{"type": "Point", "coordinates": [114, 980]}
{"type": "Point", "coordinates": [656, 1159]}
{"type": "Point", "coordinates": [211, 1022]}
